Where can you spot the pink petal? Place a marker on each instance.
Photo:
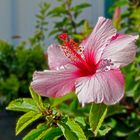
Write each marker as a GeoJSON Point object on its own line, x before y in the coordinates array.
{"type": "Point", "coordinates": [106, 87]}
{"type": "Point", "coordinates": [53, 83]}
{"type": "Point", "coordinates": [56, 59]}
{"type": "Point", "coordinates": [121, 51]}
{"type": "Point", "coordinates": [99, 38]}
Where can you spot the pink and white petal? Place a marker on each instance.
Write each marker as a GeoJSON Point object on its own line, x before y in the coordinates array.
{"type": "Point", "coordinates": [106, 87]}
{"type": "Point", "coordinates": [52, 83]}
{"type": "Point", "coordinates": [121, 51]}
{"type": "Point", "coordinates": [99, 38]}
{"type": "Point", "coordinates": [86, 91]}
{"type": "Point", "coordinates": [56, 59]}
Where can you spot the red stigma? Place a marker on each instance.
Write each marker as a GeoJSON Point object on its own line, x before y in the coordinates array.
{"type": "Point", "coordinates": [70, 48]}
{"type": "Point", "coordinates": [74, 52]}
{"type": "Point", "coordinates": [63, 36]}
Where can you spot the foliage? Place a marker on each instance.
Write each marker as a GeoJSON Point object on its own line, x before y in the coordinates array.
{"type": "Point", "coordinates": [41, 26]}
{"type": "Point", "coordinates": [66, 16]}
{"type": "Point", "coordinates": [64, 117]}
{"type": "Point", "coordinates": [17, 65]}
{"type": "Point", "coordinates": [97, 119]}
{"type": "Point", "coordinates": [132, 16]}
{"type": "Point", "coordinates": [63, 120]}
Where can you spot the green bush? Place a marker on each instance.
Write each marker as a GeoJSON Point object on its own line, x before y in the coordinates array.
{"type": "Point", "coordinates": [17, 64]}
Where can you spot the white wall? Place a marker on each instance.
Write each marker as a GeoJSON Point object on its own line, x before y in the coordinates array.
{"type": "Point", "coordinates": [21, 19]}
{"type": "Point", "coordinates": [5, 19]}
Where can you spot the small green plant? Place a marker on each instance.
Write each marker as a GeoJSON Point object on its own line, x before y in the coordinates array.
{"type": "Point", "coordinates": [39, 36]}
{"type": "Point", "coordinates": [62, 118]}
{"type": "Point", "coordinates": [66, 19]}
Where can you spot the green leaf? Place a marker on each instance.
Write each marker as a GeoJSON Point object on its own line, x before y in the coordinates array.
{"type": "Point", "coordinates": [80, 120]}
{"type": "Point", "coordinates": [37, 99]}
{"type": "Point", "coordinates": [121, 129]}
{"type": "Point", "coordinates": [53, 32]}
{"type": "Point", "coordinates": [58, 101]}
{"type": "Point", "coordinates": [78, 36]}
{"type": "Point", "coordinates": [72, 130]}
{"type": "Point", "coordinates": [96, 116]}
{"type": "Point", "coordinates": [115, 109]}
{"type": "Point", "coordinates": [41, 17]}
{"type": "Point", "coordinates": [68, 134]}
{"type": "Point", "coordinates": [22, 104]}
{"type": "Point", "coordinates": [33, 134]}
{"type": "Point", "coordinates": [74, 104]}
{"type": "Point", "coordinates": [134, 135]}
{"type": "Point", "coordinates": [111, 123]}
{"type": "Point", "coordinates": [103, 130]}
{"type": "Point", "coordinates": [80, 7]}
{"type": "Point", "coordinates": [26, 119]}
{"type": "Point", "coordinates": [80, 23]}
{"type": "Point", "coordinates": [75, 127]}
{"type": "Point", "coordinates": [58, 11]}
{"type": "Point", "coordinates": [51, 134]}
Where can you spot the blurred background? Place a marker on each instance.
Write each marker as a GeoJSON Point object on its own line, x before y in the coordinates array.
{"type": "Point", "coordinates": [18, 16]}
{"type": "Point", "coordinates": [27, 27]}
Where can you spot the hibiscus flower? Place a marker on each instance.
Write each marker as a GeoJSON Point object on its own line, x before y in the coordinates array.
{"type": "Point", "coordinates": [91, 69]}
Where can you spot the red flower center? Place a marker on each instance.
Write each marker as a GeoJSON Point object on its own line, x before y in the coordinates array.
{"type": "Point", "coordinates": [85, 63]}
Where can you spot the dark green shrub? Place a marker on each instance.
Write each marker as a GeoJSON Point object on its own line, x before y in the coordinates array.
{"type": "Point", "coordinates": [17, 64]}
